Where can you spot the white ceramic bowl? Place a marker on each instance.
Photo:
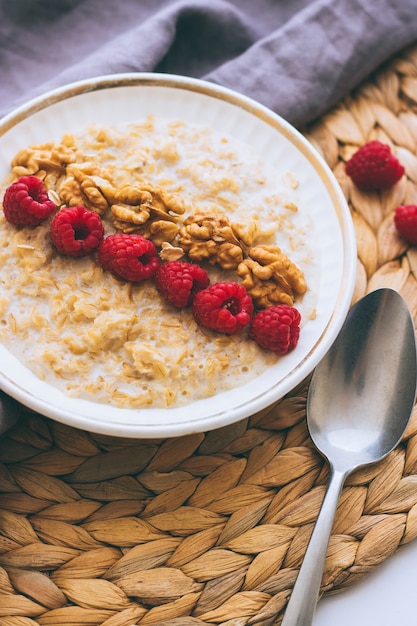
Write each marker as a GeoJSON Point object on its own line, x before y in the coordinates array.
{"type": "Point", "coordinates": [109, 100]}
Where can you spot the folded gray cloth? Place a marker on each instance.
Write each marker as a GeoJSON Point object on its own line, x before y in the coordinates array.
{"type": "Point", "coordinates": [298, 57]}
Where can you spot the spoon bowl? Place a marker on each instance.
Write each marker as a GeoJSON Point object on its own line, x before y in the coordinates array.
{"type": "Point", "coordinates": [359, 403]}
{"type": "Point", "coordinates": [361, 394]}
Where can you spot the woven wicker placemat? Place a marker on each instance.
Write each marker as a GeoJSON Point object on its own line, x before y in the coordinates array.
{"type": "Point", "coordinates": [211, 528]}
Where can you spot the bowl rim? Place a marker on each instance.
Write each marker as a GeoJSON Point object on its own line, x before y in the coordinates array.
{"type": "Point", "coordinates": [223, 417]}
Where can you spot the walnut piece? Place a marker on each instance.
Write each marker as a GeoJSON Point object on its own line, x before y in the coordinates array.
{"type": "Point", "coordinates": [270, 277]}
{"type": "Point", "coordinates": [80, 186]}
{"type": "Point", "coordinates": [146, 210]}
{"type": "Point", "coordinates": [215, 239]}
{"type": "Point", "coordinates": [48, 161]}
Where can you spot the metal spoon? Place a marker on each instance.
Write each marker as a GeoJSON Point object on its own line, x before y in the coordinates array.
{"type": "Point", "coordinates": [10, 411]}
{"type": "Point", "coordinates": [359, 403]}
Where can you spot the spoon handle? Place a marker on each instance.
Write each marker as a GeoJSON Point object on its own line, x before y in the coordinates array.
{"type": "Point", "coordinates": [301, 607]}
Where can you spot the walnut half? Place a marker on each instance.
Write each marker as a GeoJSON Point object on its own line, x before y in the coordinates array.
{"type": "Point", "coordinates": [214, 239]}
{"type": "Point", "coordinates": [147, 210]}
{"type": "Point", "coordinates": [47, 161]}
{"type": "Point", "coordinates": [270, 277]}
{"type": "Point", "coordinates": [80, 187]}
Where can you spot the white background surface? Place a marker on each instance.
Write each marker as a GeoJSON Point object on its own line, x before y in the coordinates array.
{"type": "Point", "coordinates": [385, 597]}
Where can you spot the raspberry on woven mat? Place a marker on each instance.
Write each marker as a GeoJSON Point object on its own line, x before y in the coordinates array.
{"type": "Point", "coordinates": [373, 167]}
{"type": "Point", "coordinates": [405, 219]}
{"type": "Point", "coordinates": [225, 307]}
{"type": "Point", "coordinates": [129, 257]}
{"type": "Point", "coordinates": [76, 231]}
{"type": "Point", "coordinates": [276, 328]}
{"type": "Point", "coordinates": [26, 202]}
{"type": "Point", "coordinates": [179, 281]}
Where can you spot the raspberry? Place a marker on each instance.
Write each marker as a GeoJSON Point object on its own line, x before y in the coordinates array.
{"type": "Point", "coordinates": [26, 202]}
{"type": "Point", "coordinates": [225, 307]}
{"type": "Point", "coordinates": [130, 257]}
{"type": "Point", "coordinates": [178, 282]}
{"type": "Point", "coordinates": [76, 231]}
{"type": "Point", "coordinates": [374, 167]}
{"type": "Point", "coordinates": [405, 219]}
{"type": "Point", "coordinates": [276, 328]}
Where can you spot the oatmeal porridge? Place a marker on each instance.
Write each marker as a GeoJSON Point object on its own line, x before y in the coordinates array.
{"type": "Point", "coordinates": [198, 195]}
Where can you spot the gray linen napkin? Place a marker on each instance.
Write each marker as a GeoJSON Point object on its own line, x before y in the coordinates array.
{"type": "Point", "coordinates": [298, 57]}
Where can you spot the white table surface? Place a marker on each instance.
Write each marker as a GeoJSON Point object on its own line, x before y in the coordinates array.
{"type": "Point", "coordinates": [385, 597]}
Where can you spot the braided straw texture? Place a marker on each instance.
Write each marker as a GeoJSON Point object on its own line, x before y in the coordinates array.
{"type": "Point", "coordinates": [212, 528]}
